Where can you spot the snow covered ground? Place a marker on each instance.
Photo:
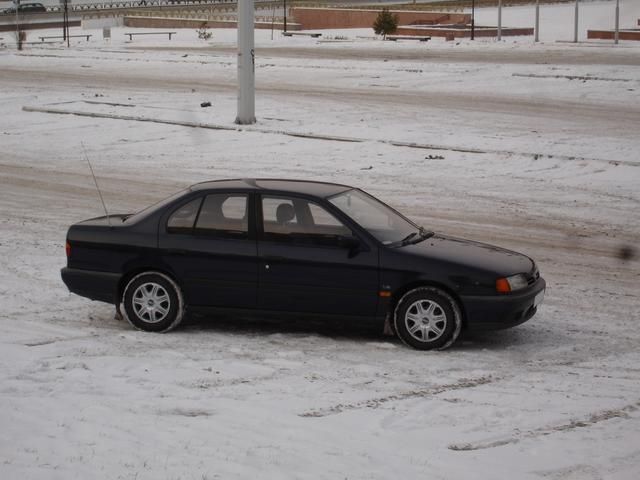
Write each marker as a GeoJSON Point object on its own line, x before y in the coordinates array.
{"type": "Point", "coordinates": [540, 153]}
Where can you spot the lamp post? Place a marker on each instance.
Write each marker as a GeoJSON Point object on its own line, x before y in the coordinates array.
{"type": "Point", "coordinates": [473, 19]}
{"type": "Point", "coordinates": [575, 26]}
{"type": "Point", "coordinates": [285, 15]}
{"type": "Point", "coordinates": [537, 37]}
{"type": "Point", "coordinates": [499, 20]}
{"type": "Point", "coordinates": [65, 22]}
{"type": "Point", "coordinates": [616, 36]}
{"type": "Point", "coordinates": [18, 41]}
{"type": "Point", "coordinates": [246, 63]}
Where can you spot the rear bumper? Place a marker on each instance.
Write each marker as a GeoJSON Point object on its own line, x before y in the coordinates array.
{"type": "Point", "coordinates": [496, 312]}
{"type": "Point", "coordinates": [101, 286]}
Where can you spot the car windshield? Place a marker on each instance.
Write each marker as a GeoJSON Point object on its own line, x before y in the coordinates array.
{"type": "Point", "coordinates": [381, 221]}
{"type": "Point", "coordinates": [145, 211]}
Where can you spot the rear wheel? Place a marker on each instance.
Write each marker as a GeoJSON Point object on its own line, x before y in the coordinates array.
{"type": "Point", "coordinates": [427, 318]}
{"type": "Point", "coordinates": [153, 302]}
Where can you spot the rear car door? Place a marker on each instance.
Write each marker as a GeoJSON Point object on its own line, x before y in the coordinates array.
{"type": "Point", "coordinates": [310, 261]}
{"type": "Point", "coordinates": [209, 243]}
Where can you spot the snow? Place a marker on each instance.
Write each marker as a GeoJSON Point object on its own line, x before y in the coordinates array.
{"type": "Point", "coordinates": [534, 161]}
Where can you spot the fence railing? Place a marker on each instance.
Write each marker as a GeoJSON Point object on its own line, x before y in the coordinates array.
{"type": "Point", "coordinates": [83, 7]}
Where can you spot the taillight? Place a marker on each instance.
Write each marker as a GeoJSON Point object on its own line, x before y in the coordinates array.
{"type": "Point", "coordinates": [67, 248]}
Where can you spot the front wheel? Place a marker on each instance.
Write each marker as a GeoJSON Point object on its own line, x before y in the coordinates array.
{"type": "Point", "coordinates": [427, 318]}
{"type": "Point", "coordinates": [153, 302]}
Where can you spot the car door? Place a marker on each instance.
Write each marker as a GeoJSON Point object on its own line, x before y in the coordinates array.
{"type": "Point", "coordinates": [309, 261]}
{"type": "Point", "coordinates": [209, 243]}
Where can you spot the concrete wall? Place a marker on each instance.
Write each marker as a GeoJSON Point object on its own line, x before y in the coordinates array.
{"type": "Point", "coordinates": [97, 23]}
{"type": "Point", "coordinates": [194, 23]}
{"type": "Point", "coordinates": [53, 23]}
{"type": "Point", "coordinates": [325, 18]}
{"type": "Point", "coordinates": [462, 32]}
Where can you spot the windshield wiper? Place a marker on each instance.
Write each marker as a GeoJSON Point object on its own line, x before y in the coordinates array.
{"type": "Point", "coordinates": [424, 234]}
{"type": "Point", "coordinates": [406, 240]}
{"type": "Point", "coordinates": [410, 239]}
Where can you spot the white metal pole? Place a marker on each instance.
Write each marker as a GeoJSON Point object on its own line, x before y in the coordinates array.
{"type": "Point", "coordinates": [575, 26]}
{"type": "Point", "coordinates": [537, 37]}
{"type": "Point", "coordinates": [246, 67]}
{"type": "Point", "coordinates": [499, 20]}
{"type": "Point", "coordinates": [18, 43]}
{"type": "Point", "coordinates": [617, 34]}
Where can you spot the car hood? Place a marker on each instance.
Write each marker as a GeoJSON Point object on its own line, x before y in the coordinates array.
{"type": "Point", "coordinates": [480, 256]}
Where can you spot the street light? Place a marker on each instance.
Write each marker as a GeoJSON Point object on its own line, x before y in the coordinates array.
{"type": "Point", "coordinates": [473, 19]}
{"type": "Point", "coordinates": [18, 42]}
{"type": "Point", "coordinates": [617, 34]}
{"type": "Point", "coordinates": [499, 20]}
{"type": "Point", "coordinates": [537, 37]}
{"type": "Point", "coordinates": [246, 63]}
{"type": "Point", "coordinates": [285, 15]}
{"type": "Point", "coordinates": [65, 22]}
{"type": "Point", "coordinates": [575, 26]}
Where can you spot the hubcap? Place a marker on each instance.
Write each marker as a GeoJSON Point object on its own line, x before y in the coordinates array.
{"type": "Point", "coordinates": [425, 320]}
{"type": "Point", "coordinates": [151, 302]}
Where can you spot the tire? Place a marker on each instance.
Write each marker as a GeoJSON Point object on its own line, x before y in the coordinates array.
{"type": "Point", "coordinates": [153, 302]}
{"type": "Point", "coordinates": [427, 318]}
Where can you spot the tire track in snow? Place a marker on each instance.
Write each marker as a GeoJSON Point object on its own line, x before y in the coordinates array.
{"type": "Point", "coordinates": [592, 419]}
{"type": "Point", "coordinates": [377, 402]}
{"type": "Point", "coordinates": [311, 135]}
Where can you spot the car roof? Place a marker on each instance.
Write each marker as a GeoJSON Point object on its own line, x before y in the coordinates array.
{"type": "Point", "coordinates": [307, 187]}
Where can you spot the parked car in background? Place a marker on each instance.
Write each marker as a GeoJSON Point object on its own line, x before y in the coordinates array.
{"type": "Point", "coordinates": [27, 8]}
{"type": "Point", "coordinates": [300, 248]}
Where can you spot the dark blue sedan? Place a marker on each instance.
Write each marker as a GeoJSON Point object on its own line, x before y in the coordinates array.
{"type": "Point", "coordinates": [297, 248]}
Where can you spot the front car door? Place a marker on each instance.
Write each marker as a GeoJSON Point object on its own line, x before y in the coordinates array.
{"type": "Point", "coordinates": [309, 261]}
{"type": "Point", "coordinates": [209, 243]}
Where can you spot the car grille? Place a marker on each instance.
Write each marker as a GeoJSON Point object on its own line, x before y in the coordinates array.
{"type": "Point", "coordinates": [533, 276]}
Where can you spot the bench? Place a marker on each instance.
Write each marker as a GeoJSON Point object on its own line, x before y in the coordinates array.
{"type": "Point", "coordinates": [42, 39]}
{"type": "Point", "coordinates": [393, 38]}
{"type": "Point", "coordinates": [304, 34]}
{"type": "Point", "coordinates": [150, 33]}
{"type": "Point", "coordinates": [53, 42]}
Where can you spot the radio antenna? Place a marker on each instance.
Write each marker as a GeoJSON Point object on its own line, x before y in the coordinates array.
{"type": "Point", "coordinates": [86, 157]}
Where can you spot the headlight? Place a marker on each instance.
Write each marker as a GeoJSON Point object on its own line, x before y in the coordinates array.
{"type": "Point", "coordinates": [512, 283]}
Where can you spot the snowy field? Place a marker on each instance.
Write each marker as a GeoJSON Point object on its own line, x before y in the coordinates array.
{"type": "Point", "coordinates": [531, 147]}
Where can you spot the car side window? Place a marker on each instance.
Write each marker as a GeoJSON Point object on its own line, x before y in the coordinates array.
{"type": "Point", "coordinates": [302, 221]}
{"type": "Point", "coordinates": [279, 215]}
{"type": "Point", "coordinates": [324, 223]}
{"type": "Point", "coordinates": [183, 219]}
{"type": "Point", "coordinates": [223, 215]}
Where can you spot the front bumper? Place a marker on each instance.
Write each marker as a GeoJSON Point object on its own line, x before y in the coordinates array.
{"type": "Point", "coordinates": [101, 286]}
{"type": "Point", "coordinates": [496, 312]}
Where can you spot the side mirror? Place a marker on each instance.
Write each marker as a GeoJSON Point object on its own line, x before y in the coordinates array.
{"type": "Point", "coordinates": [352, 244]}
{"type": "Point", "coordinates": [349, 243]}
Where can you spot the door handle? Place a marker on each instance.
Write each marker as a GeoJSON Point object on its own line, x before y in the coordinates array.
{"type": "Point", "coordinates": [273, 258]}
{"type": "Point", "coordinates": [177, 251]}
